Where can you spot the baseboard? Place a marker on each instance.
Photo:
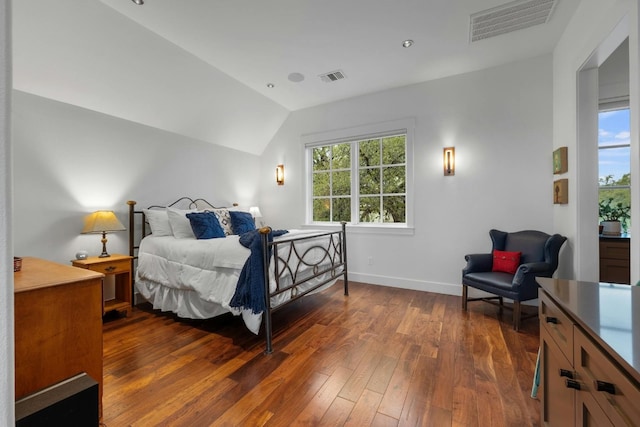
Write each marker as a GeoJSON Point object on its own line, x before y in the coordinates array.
{"type": "Point", "coordinates": [416, 285]}
{"type": "Point", "coordinates": [422, 285]}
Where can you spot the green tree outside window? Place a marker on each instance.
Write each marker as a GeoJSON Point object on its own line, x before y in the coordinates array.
{"type": "Point", "coordinates": [379, 169]}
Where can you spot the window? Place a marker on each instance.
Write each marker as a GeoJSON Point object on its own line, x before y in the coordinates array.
{"type": "Point", "coordinates": [614, 158]}
{"type": "Point", "coordinates": [362, 180]}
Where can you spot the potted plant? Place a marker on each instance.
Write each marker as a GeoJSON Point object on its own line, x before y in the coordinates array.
{"type": "Point", "coordinates": [613, 215]}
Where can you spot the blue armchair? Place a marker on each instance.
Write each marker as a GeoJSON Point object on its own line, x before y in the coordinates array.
{"type": "Point", "coordinates": [539, 258]}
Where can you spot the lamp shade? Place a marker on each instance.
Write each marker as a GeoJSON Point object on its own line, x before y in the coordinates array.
{"type": "Point", "coordinates": [102, 221]}
{"type": "Point", "coordinates": [255, 212]}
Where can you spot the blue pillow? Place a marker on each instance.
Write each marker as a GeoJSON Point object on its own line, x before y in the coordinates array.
{"type": "Point", "coordinates": [205, 225]}
{"type": "Point", "coordinates": [241, 222]}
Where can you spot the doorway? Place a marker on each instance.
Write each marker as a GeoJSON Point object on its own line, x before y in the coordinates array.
{"type": "Point", "coordinates": [603, 88]}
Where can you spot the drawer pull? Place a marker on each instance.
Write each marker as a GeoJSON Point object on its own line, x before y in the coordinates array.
{"type": "Point", "coordinates": [553, 320]}
{"type": "Point", "coordinates": [566, 373]}
{"type": "Point", "coordinates": [110, 269]}
{"type": "Point", "coordinates": [572, 384]}
{"type": "Point", "coordinates": [604, 386]}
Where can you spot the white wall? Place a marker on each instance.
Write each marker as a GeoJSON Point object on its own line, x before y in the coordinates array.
{"type": "Point", "coordinates": [613, 75]}
{"type": "Point", "coordinates": [499, 121]}
{"type": "Point", "coordinates": [7, 395]}
{"type": "Point", "coordinates": [69, 161]}
{"type": "Point", "coordinates": [87, 54]}
{"type": "Point", "coordinates": [593, 33]}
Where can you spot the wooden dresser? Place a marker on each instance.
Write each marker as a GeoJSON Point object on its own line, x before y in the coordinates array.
{"type": "Point", "coordinates": [58, 324]}
{"type": "Point", "coordinates": [614, 259]}
{"type": "Point", "coordinates": [589, 353]}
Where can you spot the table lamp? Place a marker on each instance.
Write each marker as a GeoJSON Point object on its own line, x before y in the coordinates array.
{"type": "Point", "coordinates": [102, 222]}
{"type": "Point", "coordinates": [255, 213]}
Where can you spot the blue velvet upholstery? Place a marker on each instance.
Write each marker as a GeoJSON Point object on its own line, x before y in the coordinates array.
{"type": "Point", "coordinates": [539, 258]}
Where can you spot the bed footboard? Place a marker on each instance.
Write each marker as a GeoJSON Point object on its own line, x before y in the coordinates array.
{"type": "Point", "coordinates": [309, 263]}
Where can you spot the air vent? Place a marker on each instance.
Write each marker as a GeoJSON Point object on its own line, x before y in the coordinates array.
{"type": "Point", "coordinates": [332, 76]}
{"type": "Point", "coordinates": [510, 17]}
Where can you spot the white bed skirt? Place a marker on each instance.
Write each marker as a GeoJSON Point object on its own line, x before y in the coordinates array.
{"type": "Point", "coordinates": [188, 304]}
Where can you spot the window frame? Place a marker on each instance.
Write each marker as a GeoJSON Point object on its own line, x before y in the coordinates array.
{"type": "Point", "coordinates": [352, 136]}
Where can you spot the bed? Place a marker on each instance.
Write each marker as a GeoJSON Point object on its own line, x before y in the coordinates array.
{"type": "Point", "coordinates": [247, 271]}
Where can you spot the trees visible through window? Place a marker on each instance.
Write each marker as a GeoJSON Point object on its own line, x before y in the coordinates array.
{"type": "Point", "coordinates": [614, 159]}
{"type": "Point", "coordinates": [363, 181]}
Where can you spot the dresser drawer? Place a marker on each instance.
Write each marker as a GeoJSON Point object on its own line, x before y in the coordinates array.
{"type": "Point", "coordinates": [111, 267]}
{"type": "Point", "coordinates": [615, 271]}
{"type": "Point", "coordinates": [612, 249]}
{"type": "Point", "coordinates": [621, 402]}
{"type": "Point", "coordinates": [557, 324]}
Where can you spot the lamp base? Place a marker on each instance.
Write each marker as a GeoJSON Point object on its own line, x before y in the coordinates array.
{"type": "Point", "coordinates": [104, 253]}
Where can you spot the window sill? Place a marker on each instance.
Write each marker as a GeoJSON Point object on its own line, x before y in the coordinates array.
{"type": "Point", "coordinates": [364, 229]}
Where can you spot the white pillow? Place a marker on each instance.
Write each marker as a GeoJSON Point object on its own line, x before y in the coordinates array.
{"type": "Point", "coordinates": [180, 225]}
{"type": "Point", "coordinates": [158, 221]}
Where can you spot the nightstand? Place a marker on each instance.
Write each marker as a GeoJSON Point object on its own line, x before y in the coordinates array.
{"type": "Point", "coordinates": [118, 266]}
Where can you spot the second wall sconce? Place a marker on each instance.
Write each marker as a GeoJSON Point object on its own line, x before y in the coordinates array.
{"type": "Point", "coordinates": [280, 174]}
{"type": "Point", "coordinates": [449, 161]}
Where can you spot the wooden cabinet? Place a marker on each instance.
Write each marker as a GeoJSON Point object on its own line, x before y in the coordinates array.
{"type": "Point", "coordinates": [558, 401]}
{"type": "Point", "coordinates": [118, 267]}
{"type": "Point", "coordinates": [614, 260]}
{"type": "Point", "coordinates": [58, 325]}
{"type": "Point", "coordinates": [584, 381]}
{"type": "Point", "coordinates": [556, 364]}
{"type": "Point", "coordinates": [606, 383]}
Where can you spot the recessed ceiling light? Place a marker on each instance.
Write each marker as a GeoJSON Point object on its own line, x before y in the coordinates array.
{"type": "Point", "coordinates": [138, 2]}
{"type": "Point", "coordinates": [407, 43]}
{"type": "Point", "coordinates": [270, 85]}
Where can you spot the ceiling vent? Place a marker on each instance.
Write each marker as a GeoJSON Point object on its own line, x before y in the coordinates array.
{"type": "Point", "coordinates": [332, 76]}
{"type": "Point", "coordinates": [510, 17]}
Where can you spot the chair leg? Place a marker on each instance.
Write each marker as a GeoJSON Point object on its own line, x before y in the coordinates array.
{"type": "Point", "coordinates": [464, 297]}
{"type": "Point", "coordinates": [516, 315]}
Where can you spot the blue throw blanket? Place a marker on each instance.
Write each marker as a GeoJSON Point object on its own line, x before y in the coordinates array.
{"type": "Point", "coordinates": [250, 289]}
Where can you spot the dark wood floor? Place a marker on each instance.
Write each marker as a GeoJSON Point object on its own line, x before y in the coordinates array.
{"type": "Point", "coordinates": [380, 357]}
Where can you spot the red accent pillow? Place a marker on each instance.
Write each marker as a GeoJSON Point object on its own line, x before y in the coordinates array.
{"type": "Point", "coordinates": [506, 262]}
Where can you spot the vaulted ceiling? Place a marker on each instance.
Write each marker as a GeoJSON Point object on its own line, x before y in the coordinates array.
{"type": "Point", "coordinates": [200, 68]}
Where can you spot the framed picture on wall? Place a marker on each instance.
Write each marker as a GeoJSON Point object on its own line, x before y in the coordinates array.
{"type": "Point", "coordinates": [560, 160]}
{"type": "Point", "coordinates": [561, 192]}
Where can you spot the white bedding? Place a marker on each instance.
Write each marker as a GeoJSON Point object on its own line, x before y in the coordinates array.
{"type": "Point", "coordinates": [196, 279]}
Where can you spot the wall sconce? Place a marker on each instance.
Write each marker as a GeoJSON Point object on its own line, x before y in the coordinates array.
{"type": "Point", "coordinates": [102, 222]}
{"type": "Point", "coordinates": [449, 161]}
{"type": "Point", "coordinates": [280, 174]}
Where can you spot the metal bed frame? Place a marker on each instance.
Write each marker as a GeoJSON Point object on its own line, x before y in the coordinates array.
{"type": "Point", "coordinates": [287, 258]}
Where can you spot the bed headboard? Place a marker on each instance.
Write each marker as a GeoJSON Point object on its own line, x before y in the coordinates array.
{"type": "Point", "coordinates": [139, 227]}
